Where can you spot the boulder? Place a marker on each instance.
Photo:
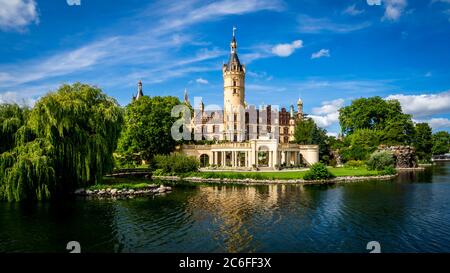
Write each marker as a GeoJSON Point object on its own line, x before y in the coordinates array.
{"type": "Point", "coordinates": [80, 191]}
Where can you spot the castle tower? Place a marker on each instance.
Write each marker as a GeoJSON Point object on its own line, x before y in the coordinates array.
{"type": "Point", "coordinates": [139, 93]}
{"type": "Point", "coordinates": [300, 115]}
{"type": "Point", "coordinates": [234, 95]}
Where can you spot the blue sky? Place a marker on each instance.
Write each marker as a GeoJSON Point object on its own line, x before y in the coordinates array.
{"type": "Point", "coordinates": [326, 52]}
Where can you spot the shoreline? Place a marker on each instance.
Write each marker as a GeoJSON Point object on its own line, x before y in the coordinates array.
{"type": "Point", "coordinates": [250, 181]}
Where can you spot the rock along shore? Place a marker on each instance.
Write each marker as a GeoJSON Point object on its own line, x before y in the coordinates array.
{"type": "Point", "coordinates": [249, 181]}
{"type": "Point", "coordinates": [125, 193]}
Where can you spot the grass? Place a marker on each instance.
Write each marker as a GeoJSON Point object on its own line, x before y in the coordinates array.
{"type": "Point", "coordinates": [344, 171]}
{"type": "Point", "coordinates": [123, 183]}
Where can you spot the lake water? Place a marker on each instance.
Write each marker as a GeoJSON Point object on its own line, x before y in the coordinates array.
{"type": "Point", "coordinates": [408, 214]}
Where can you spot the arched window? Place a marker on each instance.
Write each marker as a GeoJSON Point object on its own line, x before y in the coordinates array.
{"type": "Point", "coordinates": [204, 160]}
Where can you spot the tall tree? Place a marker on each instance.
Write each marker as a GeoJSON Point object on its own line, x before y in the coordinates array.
{"type": "Point", "coordinates": [376, 113]}
{"type": "Point", "coordinates": [441, 143]}
{"type": "Point", "coordinates": [423, 141]}
{"type": "Point", "coordinates": [147, 130]}
{"type": "Point", "coordinates": [66, 142]}
{"type": "Point", "coordinates": [307, 132]}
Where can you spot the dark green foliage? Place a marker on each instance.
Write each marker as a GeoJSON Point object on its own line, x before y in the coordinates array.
{"type": "Point", "coordinates": [360, 144]}
{"type": "Point", "coordinates": [65, 142]}
{"type": "Point", "coordinates": [147, 129]}
{"type": "Point", "coordinates": [308, 133]}
{"type": "Point", "coordinates": [12, 117]}
{"type": "Point", "coordinates": [441, 143]}
{"type": "Point", "coordinates": [380, 161]}
{"type": "Point", "coordinates": [388, 171]}
{"type": "Point", "coordinates": [318, 171]}
{"type": "Point", "coordinates": [423, 141]}
{"type": "Point", "coordinates": [176, 163]}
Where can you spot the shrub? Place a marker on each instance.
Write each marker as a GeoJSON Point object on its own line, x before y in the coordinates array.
{"type": "Point", "coordinates": [318, 171]}
{"type": "Point", "coordinates": [380, 161]}
{"type": "Point", "coordinates": [332, 162]}
{"type": "Point", "coordinates": [388, 171]}
{"type": "Point", "coordinates": [354, 164]}
{"type": "Point", "coordinates": [158, 172]}
{"type": "Point", "coordinates": [176, 163]}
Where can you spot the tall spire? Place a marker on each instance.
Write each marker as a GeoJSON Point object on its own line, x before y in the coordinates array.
{"type": "Point", "coordinates": [233, 62]}
{"type": "Point", "coordinates": [139, 93]}
{"type": "Point", "coordinates": [233, 44]}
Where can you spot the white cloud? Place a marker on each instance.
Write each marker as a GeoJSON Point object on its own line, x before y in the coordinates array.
{"type": "Point", "coordinates": [309, 24]}
{"type": "Point", "coordinates": [424, 105]}
{"type": "Point", "coordinates": [16, 97]}
{"type": "Point", "coordinates": [373, 2]}
{"type": "Point", "coordinates": [394, 9]}
{"type": "Point", "coordinates": [321, 53]}
{"type": "Point", "coordinates": [201, 81]}
{"type": "Point", "coordinates": [17, 14]}
{"type": "Point", "coordinates": [436, 123]}
{"type": "Point", "coordinates": [73, 2]}
{"type": "Point", "coordinates": [285, 50]}
{"type": "Point", "coordinates": [328, 114]}
{"type": "Point", "coordinates": [353, 10]}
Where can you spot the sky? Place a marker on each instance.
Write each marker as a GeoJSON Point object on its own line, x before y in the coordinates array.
{"type": "Point", "coordinates": [326, 52]}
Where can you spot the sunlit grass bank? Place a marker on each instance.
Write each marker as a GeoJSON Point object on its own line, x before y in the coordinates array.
{"type": "Point", "coordinates": [280, 175]}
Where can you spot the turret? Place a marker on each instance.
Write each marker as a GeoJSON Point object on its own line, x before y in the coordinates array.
{"type": "Point", "coordinates": [139, 93]}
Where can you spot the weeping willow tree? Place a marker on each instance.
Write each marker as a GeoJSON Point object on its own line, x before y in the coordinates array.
{"type": "Point", "coordinates": [66, 141]}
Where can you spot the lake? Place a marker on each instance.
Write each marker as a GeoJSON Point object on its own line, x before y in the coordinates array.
{"type": "Point", "coordinates": [408, 214]}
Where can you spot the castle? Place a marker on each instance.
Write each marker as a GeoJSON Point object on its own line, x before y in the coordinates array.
{"type": "Point", "coordinates": [241, 135]}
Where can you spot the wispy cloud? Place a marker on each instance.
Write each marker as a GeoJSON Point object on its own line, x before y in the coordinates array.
{"type": "Point", "coordinates": [308, 24]}
{"type": "Point", "coordinates": [104, 59]}
{"type": "Point", "coordinates": [201, 81]}
{"type": "Point", "coordinates": [353, 10]}
{"type": "Point", "coordinates": [16, 15]}
{"type": "Point", "coordinates": [321, 53]}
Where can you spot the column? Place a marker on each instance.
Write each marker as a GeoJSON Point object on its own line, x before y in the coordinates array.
{"type": "Point", "coordinates": [270, 158]}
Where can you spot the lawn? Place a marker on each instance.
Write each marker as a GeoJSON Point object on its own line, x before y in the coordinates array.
{"type": "Point", "coordinates": [122, 183]}
{"type": "Point", "coordinates": [360, 171]}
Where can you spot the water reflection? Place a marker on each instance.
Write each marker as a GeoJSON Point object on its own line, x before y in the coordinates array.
{"type": "Point", "coordinates": [407, 214]}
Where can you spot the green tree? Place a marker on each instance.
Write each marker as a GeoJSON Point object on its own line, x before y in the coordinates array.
{"type": "Point", "coordinates": [423, 141]}
{"type": "Point", "coordinates": [360, 144]}
{"type": "Point", "coordinates": [147, 130]}
{"type": "Point", "coordinates": [66, 141]}
{"type": "Point", "coordinates": [376, 113]}
{"type": "Point", "coordinates": [12, 117]}
{"type": "Point", "coordinates": [307, 133]}
{"type": "Point", "coordinates": [441, 143]}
